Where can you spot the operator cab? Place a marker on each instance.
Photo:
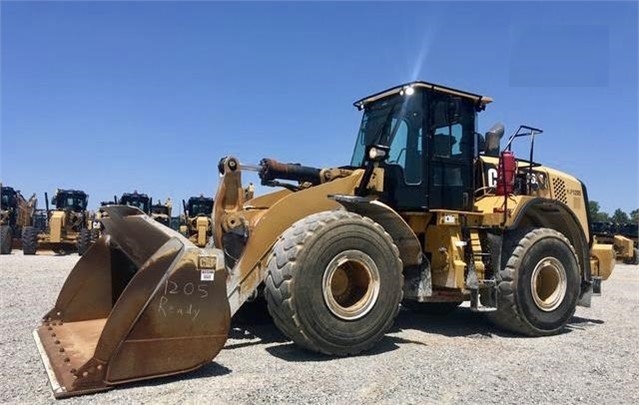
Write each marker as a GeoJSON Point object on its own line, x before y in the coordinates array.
{"type": "Point", "coordinates": [72, 200]}
{"type": "Point", "coordinates": [200, 206]}
{"type": "Point", "coordinates": [160, 209]}
{"type": "Point", "coordinates": [429, 133]}
{"type": "Point", "coordinates": [8, 198]}
{"type": "Point", "coordinates": [136, 200]}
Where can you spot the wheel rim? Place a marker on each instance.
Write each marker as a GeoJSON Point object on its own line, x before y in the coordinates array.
{"type": "Point", "coordinates": [351, 285]}
{"type": "Point", "coordinates": [548, 284]}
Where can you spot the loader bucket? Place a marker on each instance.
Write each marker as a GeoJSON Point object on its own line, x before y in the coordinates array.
{"type": "Point", "coordinates": [142, 302]}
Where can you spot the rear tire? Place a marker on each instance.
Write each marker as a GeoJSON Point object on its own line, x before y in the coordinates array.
{"type": "Point", "coordinates": [334, 283]}
{"type": "Point", "coordinates": [432, 308]}
{"type": "Point", "coordinates": [29, 240]}
{"type": "Point", "coordinates": [6, 239]}
{"type": "Point", "coordinates": [540, 285]}
{"type": "Point", "coordinates": [84, 241]}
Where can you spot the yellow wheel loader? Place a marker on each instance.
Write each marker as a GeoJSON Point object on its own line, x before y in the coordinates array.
{"type": "Point", "coordinates": [196, 220]}
{"type": "Point", "coordinates": [428, 213]}
{"type": "Point", "coordinates": [67, 225]}
{"type": "Point", "coordinates": [15, 213]}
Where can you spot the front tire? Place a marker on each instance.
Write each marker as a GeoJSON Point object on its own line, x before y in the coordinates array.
{"type": "Point", "coordinates": [95, 235]}
{"type": "Point", "coordinates": [334, 283]}
{"type": "Point", "coordinates": [6, 239]}
{"type": "Point", "coordinates": [84, 241]}
{"type": "Point", "coordinates": [539, 288]}
{"type": "Point", "coordinates": [29, 240]}
{"type": "Point", "coordinates": [634, 259]}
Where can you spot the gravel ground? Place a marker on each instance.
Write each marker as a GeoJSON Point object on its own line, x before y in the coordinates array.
{"type": "Point", "coordinates": [457, 359]}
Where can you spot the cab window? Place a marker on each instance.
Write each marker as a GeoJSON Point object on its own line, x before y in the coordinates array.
{"type": "Point", "coordinates": [405, 150]}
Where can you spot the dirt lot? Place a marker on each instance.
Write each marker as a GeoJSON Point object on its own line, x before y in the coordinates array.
{"type": "Point", "coordinates": [457, 359]}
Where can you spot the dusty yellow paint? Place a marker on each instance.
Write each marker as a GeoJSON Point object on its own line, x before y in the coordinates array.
{"type": "Point", "coordinates": [605, 260]}
{"type": "Point", "coordinates": [445, 245]}
{"type": "Point", "coordinates": [56, 224]}
{"type": "Point", "coordinates": [202, 226]}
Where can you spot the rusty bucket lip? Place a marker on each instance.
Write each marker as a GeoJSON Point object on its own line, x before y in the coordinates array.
{"type": "Point", "coordinates": [58, 389]}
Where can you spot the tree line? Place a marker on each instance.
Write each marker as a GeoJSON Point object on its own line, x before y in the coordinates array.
{"type": "Point", "coordinates": [619, 216]}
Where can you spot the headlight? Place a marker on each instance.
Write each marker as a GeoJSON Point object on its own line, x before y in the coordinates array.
{"type": "Point", "coordinates": [408, 91]}
{"type": "Point", "coordinates": [378, 153]}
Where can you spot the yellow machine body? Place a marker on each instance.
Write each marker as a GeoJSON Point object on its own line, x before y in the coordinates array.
{"type": "Point", "coordinates": [145, 301]}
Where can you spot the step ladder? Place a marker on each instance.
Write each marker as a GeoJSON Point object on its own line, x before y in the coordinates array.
{"type": "Point", "coordinates": [481, 290]}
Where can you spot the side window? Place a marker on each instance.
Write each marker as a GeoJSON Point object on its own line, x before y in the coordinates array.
{"type": "Point", "coordinates": [397, 154]}
{"type": "Point", "coordinates": [405, 151]}
{"type": "Point", "coordinates": [447, 141]}
{"type": "Point", "coordinates": [456, 134]}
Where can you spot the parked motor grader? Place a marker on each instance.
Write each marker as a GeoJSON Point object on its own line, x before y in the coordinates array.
{"type": "Point", "coordinates": [421, 216]}
{"type": "Point", "coordinates": [162, 212]}
{"type": "Point", "coordinates": [15, 213]}
{"type": "Point", "coordinates": [66, 228]}
{"type": "Point", "coordinates": [196, 220]}
{"type": "Point", "coordinates": [135, 199]}
{"type": "Point", "coordinates": [159, 212]}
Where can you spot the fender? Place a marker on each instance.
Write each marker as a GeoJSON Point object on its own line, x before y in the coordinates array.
{"type": "Point", "coordinates": [266, 225]}
{"type": "Point", "coordinates": [410, 249]}
{"type": "Point", "coordinates": [556, 215]}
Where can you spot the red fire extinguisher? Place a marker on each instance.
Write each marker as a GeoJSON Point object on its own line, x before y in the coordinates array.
{"type": "Point", "coordinates": [506, 173]}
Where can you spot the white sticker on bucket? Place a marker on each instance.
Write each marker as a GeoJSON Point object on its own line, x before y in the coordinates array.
{"type": "Point", "coordinates": [207, 274]}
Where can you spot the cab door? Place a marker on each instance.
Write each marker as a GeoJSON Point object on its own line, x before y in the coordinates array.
{"type": "Point", "coordinates": [405, 185]}
{"type": "Point", "coordinates": [450, 128]}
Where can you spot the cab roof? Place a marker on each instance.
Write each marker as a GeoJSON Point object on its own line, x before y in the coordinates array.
{"type": "Point", "coordinates": [201, 198]}
{"type": "Point", "coordinates": [70, 191]}
{"type": "Point", "coordinates": [134, 194]}
{"type": "Point", "coordinates": [480, 101]}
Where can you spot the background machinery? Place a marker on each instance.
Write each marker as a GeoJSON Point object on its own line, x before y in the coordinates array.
{"type": "Point", "coordinates": [135, 199]}
{"type": "Point", "coordinates": [15, 213]}
{"type": "Point", "coordinates": [196, 220]}
{"type": "Point", "coordinates": [622, 237]}
{"type": "Point", "coordinates": [162, 212]}
{"type": "Point", "coordinates": [95, 217]}
{"type": "Point", "coordinates": [428, 213]}
{"type": "Point", "coordinates": [66, 227]}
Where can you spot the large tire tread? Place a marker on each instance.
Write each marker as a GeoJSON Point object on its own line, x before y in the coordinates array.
{"type": "Point", "coordinates": [508, 316]}
{"type": "Point", "coordinates": [84, 241]}
{"type": "Point", "coordinates": [281, 267]}
{"type": "Point", "coordinates": [29, 240]}
{"type": "Point", "coordinates": [6, 239]}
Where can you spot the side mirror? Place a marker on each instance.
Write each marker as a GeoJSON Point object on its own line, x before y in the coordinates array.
{"type": "Point", "coordinates": [493, 136]}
